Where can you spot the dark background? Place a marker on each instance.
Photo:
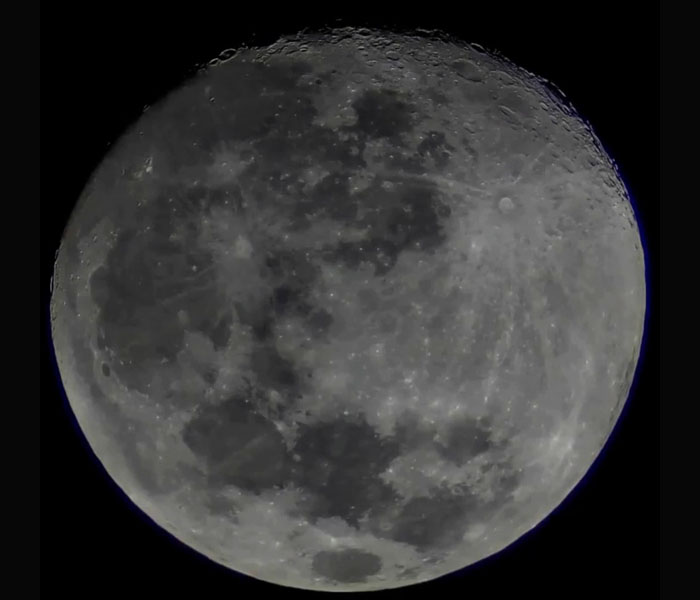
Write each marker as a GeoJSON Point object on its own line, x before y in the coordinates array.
{"type": "Point", "coordinates": [99, 69]}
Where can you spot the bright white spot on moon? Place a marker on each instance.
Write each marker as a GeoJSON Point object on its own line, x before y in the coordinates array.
{"type": "Point", "coordinates": [242, 248]}
{"type": "Point", "coordinates": [505, 204]}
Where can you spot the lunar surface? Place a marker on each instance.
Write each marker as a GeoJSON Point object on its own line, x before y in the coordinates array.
{"type": "Point", "coordinates": [351, 311]}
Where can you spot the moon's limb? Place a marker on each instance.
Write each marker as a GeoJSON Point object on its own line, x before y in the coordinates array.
{"type": "Point", "coordinates": [340, 322]}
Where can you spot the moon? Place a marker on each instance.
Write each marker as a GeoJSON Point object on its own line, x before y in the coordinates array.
{"type": "Point", "coordinates": [351, 311]}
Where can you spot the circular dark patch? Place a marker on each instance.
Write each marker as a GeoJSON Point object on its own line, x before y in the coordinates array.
{"type": "Point", "coordinates": [348, 565]}
{"type": "Point", "coordinates": [106, 370]}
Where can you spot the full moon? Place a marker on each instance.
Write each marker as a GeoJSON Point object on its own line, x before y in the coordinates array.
{"type": "Point", "coordinates": [353, 310]}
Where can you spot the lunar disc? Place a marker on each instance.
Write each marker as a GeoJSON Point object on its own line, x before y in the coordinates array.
{"type": "Point", "coordinates": [351, 311]}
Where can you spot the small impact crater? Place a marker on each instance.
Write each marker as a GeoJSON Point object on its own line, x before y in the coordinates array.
{"type": "Point", "coordinates": [506, 205]}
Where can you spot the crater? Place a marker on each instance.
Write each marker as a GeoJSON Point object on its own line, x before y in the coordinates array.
{"type": "Point", "coordinates": [468, 70]}
{"type": "Point", "coordinates": [346, 565]}
{"type": "Point", "coordinates": [506, 205]}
